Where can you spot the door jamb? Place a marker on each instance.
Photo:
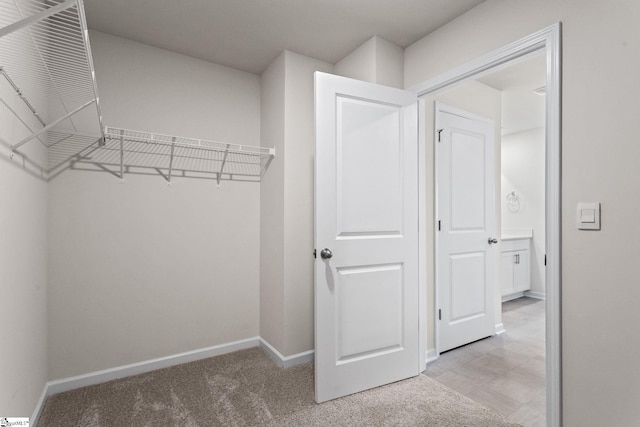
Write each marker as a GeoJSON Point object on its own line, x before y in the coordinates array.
{"type": "Point", "coordinates": [549, 40]}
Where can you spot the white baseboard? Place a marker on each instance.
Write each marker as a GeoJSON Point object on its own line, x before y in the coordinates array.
{"type": "Point", "coordinates": [536, 295]}
{"type": "Point", "coordinates": [500, 329]}
{"type": "Point", "coordinates": [510, 297]}
{"type": "Point", "coordinates": [105, 375]}
{"type": "Point", "coordinates": [98, 377]}
{"type": "Point", "coordinates": [286, 361]}
{"type": "Point", "coordinates": [36, 413]}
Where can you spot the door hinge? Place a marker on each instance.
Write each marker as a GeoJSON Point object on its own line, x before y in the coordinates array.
{"type": "Point", "coordinates": [439, 132]}
{"type": "Point", "coordinates": [314, 253]}
{"type": "Point", "coordinates": [545, 259]}
{"type": "Point", "coordinates": [438, 225]}
{"type": "Point", "coordinates": [439, 314]}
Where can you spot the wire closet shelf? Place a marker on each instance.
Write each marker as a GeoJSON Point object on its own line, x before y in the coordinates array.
{"type": "Point", "coordinates": [189, 157]}
{"type": "Point", "coordinates": [45, 59]}
{"type": "Point", "coordinates": [48, 83]}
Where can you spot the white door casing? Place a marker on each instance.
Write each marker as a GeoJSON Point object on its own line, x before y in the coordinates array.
{"type": "Point", "coordinates": [548, 39]}
{"type": "Point", "coordinates": [366, 214]}
{"type": "Point", "coordinates": [465, 206]}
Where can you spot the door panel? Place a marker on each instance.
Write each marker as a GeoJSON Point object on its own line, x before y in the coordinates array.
{"type": "Point", "coordinates": [367, 330]}
{"type": "Point", "coordinates": [369, 182]}
{"type": "Point", "coordinates": [465, 261]}
{"type": "Point", "coordinates": [467, 286]}
{"type": "Point", "coordinates": [366, 213]}
{"type": "Point", "coordinates": [467, 190]}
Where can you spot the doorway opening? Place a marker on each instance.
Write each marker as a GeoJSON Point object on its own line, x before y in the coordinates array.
{"type": "Point", "coordinates": [540, 261]}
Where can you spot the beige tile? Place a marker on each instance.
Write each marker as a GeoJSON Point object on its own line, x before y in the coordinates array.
{"type": "Point", "coordinates": [460, 383]}
{"type": "Point", "coordinates": [477, 372]}
{"type": "Point", "coordinates": [529, 417]}
{"type": "Point", "coordinates": [501, 403]}
{"type": "Point", "coordinates": [446, 361]}
{"type": "Point", "coordinates": [482, 346]}
{"type": "Point", "coordinates": [467, 352]}
{"type": "Point", "coordinates": [534, 367]}
{"type": "Point", "coordinates": [517, 386]}
{"type": "Point", "coordinates": [539, 402]}
{"type": "Point", "coordinates": [523, 348]}
{"type": "Point", "coordinates": [499, 362]}
{"type": "Point", "coordinates": [502, 340]}
{"type": "Point", "coordinates": [504, 372]}
{"type": "Point", "coordinates": [513, 358]}
{"type": "Point", "coordinates": [434, 371]}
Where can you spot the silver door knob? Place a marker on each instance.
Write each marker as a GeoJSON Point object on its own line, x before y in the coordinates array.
{"type": "Point", "coordinates": [326, 254]}
{"type": "Point", "coordinates": [493, 240]}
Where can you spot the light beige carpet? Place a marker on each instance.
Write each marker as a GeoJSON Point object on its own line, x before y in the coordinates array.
{"type": "Point", "coordinates": [247, 388]}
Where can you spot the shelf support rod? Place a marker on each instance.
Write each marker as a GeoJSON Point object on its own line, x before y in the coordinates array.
{"type": "Point", "coordinates": [85, 35]}
{"type": "Point", "coordinates": [37, 17]}
{"type": "Point", "coordinates": [21, 120]}
{"type": "Point", "coordinates": [224, 160]}
{"type": "Point", "coordinates": [21, 96]}
{"type": "Point", "coordinates": [122, 155]}
{"type": "Point", "coordinates": [51, 125]}
{"type": "Point", "coordinates": [173, 146]}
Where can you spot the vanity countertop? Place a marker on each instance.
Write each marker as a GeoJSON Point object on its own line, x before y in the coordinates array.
{"type": "Point", "coordinates": [517, 234]}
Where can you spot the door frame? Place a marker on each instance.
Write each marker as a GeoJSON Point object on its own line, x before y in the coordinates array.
{"type": "Point", "coordinates": [549, 41]}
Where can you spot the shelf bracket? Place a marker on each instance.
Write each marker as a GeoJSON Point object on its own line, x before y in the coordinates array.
{"type": "Point", "coordinates": [173, 146]}
{"type": "Point", "coordinates": [224, 160]}
{"type": "Point", "coordinates": [21, 96]}
{"type": "Point", "coordinates": [51, 125]}
{"type": "Point", "coordinates": [122, 155]}
{"type": "Point", "coordinates": [266, 165]}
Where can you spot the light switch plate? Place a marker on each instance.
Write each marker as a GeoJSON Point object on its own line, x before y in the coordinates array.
{"type": "Point", "coordinates": [588, 216]}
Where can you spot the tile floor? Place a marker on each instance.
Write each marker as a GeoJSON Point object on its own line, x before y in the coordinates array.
{"type": "Point", "coordinates": [504, 372]}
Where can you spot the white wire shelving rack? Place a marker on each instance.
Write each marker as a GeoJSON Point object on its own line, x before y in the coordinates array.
{"type": "Point", "coordinates": [171, 156]}
{"type": "Point", "coordinates": [48, 82]}
{"type": "Point", "coordinates": [45, 60]}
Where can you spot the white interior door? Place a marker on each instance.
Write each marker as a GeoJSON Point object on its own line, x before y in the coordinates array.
{"type": "Point", "coordinates": [465, 205]}
{"type": "Point", "coordinates": [366, 215]}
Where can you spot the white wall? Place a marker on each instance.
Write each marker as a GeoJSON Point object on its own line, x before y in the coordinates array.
{"type": "Point", "coordinates": [299, 200]}
{"type": "Point", "coordinates": [287, 204]}
{"type": "Point", "coordinates": [140, 270]}
{"type": "Point", "coordinates": [272, 206]}
{"type": "Point", "coordinates": [523, 171]}
{"type": "Point", "coordinates": [484, 101]}
{"type": "Point", "coordinates": [359, 64]}
{"type": "Point", "coordinates": [377, 61]}
{"type": "Point", "coordinates": [23, 263]}
{"type": "Point", "coordinates": [601, 62]}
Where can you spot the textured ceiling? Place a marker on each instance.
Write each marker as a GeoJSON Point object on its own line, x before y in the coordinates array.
{"type": "Point", "coordinates": [249, 34]}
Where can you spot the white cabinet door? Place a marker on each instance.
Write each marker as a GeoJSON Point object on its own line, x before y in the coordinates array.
{"type": "Point", "coordinates": [521, 274]}
{"type": "Point", "coordinates": [515, 268]}
{"type": "Point", "coordinates": [507, 264]}
{"type": "Point", "coordinates": [366, 221]}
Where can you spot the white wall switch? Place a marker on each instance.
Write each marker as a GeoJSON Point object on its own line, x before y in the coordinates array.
{"type": "Point", "coordinates": [589, 216]}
